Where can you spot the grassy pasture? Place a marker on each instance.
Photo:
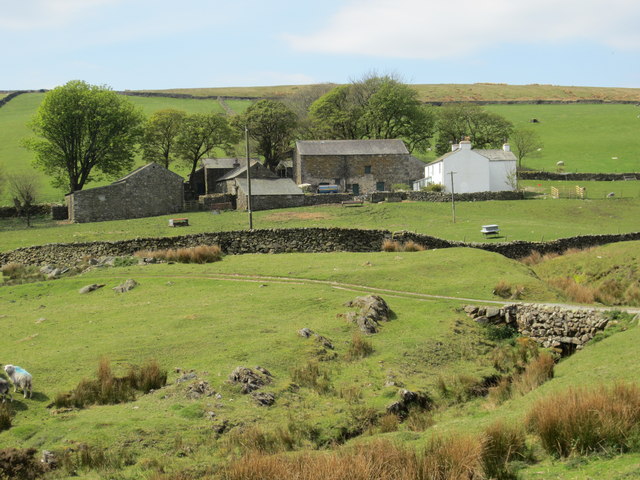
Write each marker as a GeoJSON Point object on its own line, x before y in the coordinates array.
{"type": "Point", "coordinates": [532, 220]}
{"type": "Point", "coordinates": [487, 92]}
{"type": "Point", "coordinates": [196, 318]}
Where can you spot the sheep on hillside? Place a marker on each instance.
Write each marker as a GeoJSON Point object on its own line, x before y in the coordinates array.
{"type": "Point", "coordinates": [20, 378]}
{"type": "Point", "coordinates": [5, 389]}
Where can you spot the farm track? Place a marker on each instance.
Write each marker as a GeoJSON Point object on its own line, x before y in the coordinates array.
{"type": "Point", "coordinates": [235, 277]}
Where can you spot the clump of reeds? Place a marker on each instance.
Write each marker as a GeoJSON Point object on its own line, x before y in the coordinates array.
{"type": "Point", "coordinates": [587, 420]}
{"type": "Point", "coordinates": [108, 389]}
{"type": "Point", "coordinates": [199, 254]}
{"type": "Point", "coordinates": [389, 245]}
{"type": "Point", "coordinates": [359, 347]}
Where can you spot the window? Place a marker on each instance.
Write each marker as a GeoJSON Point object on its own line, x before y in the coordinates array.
{"type": "Point", "coordinates": [380, 186]}
{"type": "Point", "coordinates": [367, 169]}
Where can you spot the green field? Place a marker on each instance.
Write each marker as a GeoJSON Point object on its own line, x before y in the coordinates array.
{"type": "Point", "coordinates": [532, 220]}
{"type": "Point", "coordinates": [246, 310]}
{"type": "Point", "coordinates": [487, 92]}
{"type": "Point", "coordinates": [587, 138]}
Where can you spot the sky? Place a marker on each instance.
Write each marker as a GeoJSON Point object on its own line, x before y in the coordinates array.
{"type": "Point", "coordinates": [160, 44]}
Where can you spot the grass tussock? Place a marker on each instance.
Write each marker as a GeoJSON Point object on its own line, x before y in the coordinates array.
{"type": "Point", "coordinates": [598, 420]}
{"type": "Point", "coordinates": [389, 245]}
{"type": "Point", "coordinates": [506, 290]}
{"type": "Point", "coordinates": [20, 464]}
{"type": "Point", "coordinates": [85, 457]}
{"type": "Point", "coordinates": [310, 375]}
{"type": "Point", "coordinates": [443, 459]}
{"type": "Point", "coordinates": [108, 389]}
{"type": "Point", "coordinates": [200, 254]}
{"type": "Point", "coordinates": [502, 444]}
{"type": "Point", "coordinates": [419, 420]}
{"type": "Point", "coordinates": [538, 371]}
{"type": "Point", "coordinates": [359, 347]}
{"type": "Point", "coordinates": [576, 292]}
{"type": "Point", "coordinates": [17, 273]}
{"type": "Point", "coordinates": [460, 388]}
{"type": "Point", "coordinates": [6, 414]}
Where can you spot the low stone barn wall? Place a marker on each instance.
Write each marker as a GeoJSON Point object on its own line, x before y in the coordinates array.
{"type": "Point", "coordinates": [551, 326]}
{"type": "Point", "coordinates": [290, 240]}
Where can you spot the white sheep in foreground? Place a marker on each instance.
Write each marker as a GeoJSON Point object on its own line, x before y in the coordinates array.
{"type": "Point", "coordinates": [5, 389]}
{"type": "Point", "coordinates": [20, 379]}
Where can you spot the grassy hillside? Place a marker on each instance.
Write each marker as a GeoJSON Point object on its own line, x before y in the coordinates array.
{"type": "Point", "coordinates": [533, 220]}
{"type": "Point", "coordinates": [587, 138]}
{"type": "Point", "coordinates": [210, 319]}
{"type": "Point", "coordinates": [489, 92]}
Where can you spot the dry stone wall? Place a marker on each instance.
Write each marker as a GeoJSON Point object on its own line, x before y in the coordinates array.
{"type": "Point", "coordinates": [550, 326]}
{"type": "Point", "coordinates": [289, 240]}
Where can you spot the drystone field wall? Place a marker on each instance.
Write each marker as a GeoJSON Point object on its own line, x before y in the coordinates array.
{"type": "Point", "coordinates": [576, 177]}
{"type": "Point", "coordinates": [550, 326]}
{"type": "Point", "coordinates": [307, 240]}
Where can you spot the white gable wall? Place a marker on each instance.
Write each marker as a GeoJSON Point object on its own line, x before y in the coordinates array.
{"type": "Point", "coordinates": [502, 175]}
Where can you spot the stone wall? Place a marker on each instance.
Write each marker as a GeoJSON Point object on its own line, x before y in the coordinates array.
{"type": "Point", "coordinates": [290, 240]}
{"type": "Point", "coordinates": [349, 170]}
{"type": "Point", "coordinates": [443, 197]}
{"type": "Point", "coordinates": [40, 209]}
{"type": "Point", "coordinates": [577, 177]}
{"type": "Point", "coordinates": [269, 202]}
{"type": "Point", "coordinates": [149, 191]}
{"type": "Point", "coordinates": [206, 201]}
{"type": "Point", "coordinates": [326, 198]}
{"type": "Point", "coordinates": [551, 326]}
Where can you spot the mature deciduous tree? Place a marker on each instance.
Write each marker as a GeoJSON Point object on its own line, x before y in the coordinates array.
{"type": "Point", "coordinates": [160, 135]}
{"type": "Point", "coordinates": [82, 128]}
{"type": "Point", "coordinates": [23, 189]}
{"type": "Point", "coordinates": [200, 134]}
{"type": "Point", "coordinates": [525, 142]}
{"type": "Point", "coordinates": [271, 124]}
{"type": "Point", "coordinates": [374, 107]}
{"type": "Point", "coordinates": [299, 103]}
{"type": "Point", "coordinates": [457, 121]}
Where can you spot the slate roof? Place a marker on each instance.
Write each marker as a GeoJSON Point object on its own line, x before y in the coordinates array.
{"type": "Point", "coordinates": [220, 162]}
{"type": "Point", "coordinates": [242, 170]}
{"type": "Point", "coordinates": [351, 147]}
{"type": "Point", "coordinates": [270, 186]}
{"type": "Point", "coordinates": [145, 167]}
{"type": "Point", "coordinates": [494, 155]}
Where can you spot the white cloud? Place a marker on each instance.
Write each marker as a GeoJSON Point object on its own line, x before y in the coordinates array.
{"type": "Point", "coordinates": [432, 29]}
{"type": "Point", "coordinates": [35, 14]}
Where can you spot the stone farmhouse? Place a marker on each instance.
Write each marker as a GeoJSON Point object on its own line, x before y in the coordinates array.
{"type": "Point", "coordinates": [473, 170]}
{"type": "Point", "coordinates": [355, 166]}
{"type": "Point", "coordinates": [147, 191]}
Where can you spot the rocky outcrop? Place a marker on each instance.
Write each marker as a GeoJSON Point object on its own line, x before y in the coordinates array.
{"type": "Point", "coordinates": [371, 311]}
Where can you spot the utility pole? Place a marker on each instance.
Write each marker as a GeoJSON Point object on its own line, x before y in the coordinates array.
{"type": "Point", "coordinates": [246, 139]}
{"type": "Point", "coordinates": [453, 202]}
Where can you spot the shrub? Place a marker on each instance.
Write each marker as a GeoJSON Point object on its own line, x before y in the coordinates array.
{"type": "Point", "coordinates": [581, 420]}
{"type": "Point", "coordinates": [20, 464]}
{"type": "Point", "coordinates": [359, 347]}
{"type": "Point", "coordinates": [502, 444]}
{"type": "Point", "coordinates": [497, 333]}
{"type": "Point", "coordinates": [433, 187]}
{"type": "Point", "coordinates": [199, 254]}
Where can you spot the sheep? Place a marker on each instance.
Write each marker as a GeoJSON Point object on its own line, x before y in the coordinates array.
{"type": "Point", "coordinates": [20, 378]}
{"type": "Point", "coordinates": [5, 389]}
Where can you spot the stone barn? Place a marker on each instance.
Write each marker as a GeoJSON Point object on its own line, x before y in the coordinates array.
{"type": "Point", "coordinates": [355, 166]}
{"type": "Point", "coordinates": [148, 191]}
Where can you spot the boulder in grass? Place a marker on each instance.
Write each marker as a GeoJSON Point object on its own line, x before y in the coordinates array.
{"type": "Point", "coordinates": [91, 288]}
{"type": "Point", "coordinates": [125, 286]}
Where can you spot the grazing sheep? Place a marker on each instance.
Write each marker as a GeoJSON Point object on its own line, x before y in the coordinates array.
{"type": "Point", "coordinates": [20, 378]}
{"type": "Point", "coordinates": [5, 389]}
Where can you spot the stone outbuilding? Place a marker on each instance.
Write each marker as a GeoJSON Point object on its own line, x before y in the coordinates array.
{"type": "Point", "coordinates": [147, 191]}
{"type": "Point", "coordinates": [474, 170]}
{"type": "Point", "coordinates": [355, 166]}
{"type": "Point", "coordinates": [268, 190]}
{"type": "Point", "coordinates": [205, 178]}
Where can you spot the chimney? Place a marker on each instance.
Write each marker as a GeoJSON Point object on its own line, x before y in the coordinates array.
{"type": "Point", "coordinates": [454, 147]}
{"type": "Point", "coordinates": [465, 144]}
{"type": "Point", "coordinates": [506, 147]}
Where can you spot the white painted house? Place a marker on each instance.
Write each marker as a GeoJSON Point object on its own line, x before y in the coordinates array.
{"type": "Point", "coordinates": [473, 170]}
